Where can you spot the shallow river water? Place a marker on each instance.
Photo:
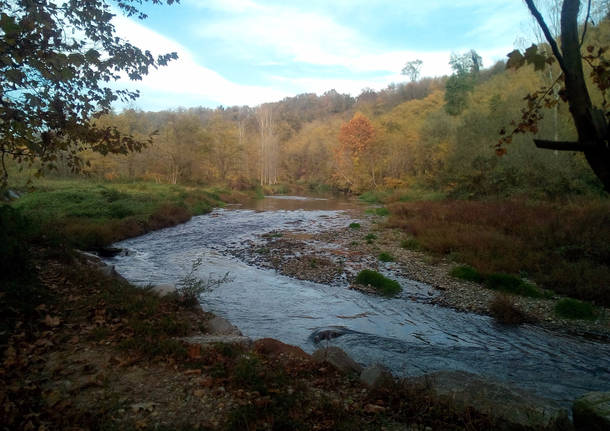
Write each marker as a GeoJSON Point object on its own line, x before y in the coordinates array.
{"type": "Point", "coordinates": [407, 333]}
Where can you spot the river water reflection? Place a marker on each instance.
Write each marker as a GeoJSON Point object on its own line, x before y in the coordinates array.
{"type": "Point", "coordinates": [409, 336]}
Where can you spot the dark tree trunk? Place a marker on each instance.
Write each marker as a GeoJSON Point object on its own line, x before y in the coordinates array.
{"type": "Point", "coordinates": [591, 123]}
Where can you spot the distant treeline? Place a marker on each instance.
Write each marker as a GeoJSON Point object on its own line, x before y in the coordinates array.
{"type": "Point", "coordinates": [435, 132]}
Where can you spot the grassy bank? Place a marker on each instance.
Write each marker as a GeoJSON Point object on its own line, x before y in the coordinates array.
{"type": "Point", "coordinates": [88, 214]}
{"type": "Point", "coordinates": [562, 247]}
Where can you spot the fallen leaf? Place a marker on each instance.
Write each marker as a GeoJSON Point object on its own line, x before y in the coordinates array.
{"type": "Point", "coordinates": [52, 321]}
{"type": "Point", "coordinates": [192, 372]}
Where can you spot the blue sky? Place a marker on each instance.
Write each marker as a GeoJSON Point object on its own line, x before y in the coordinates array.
{"type": "Point", "coordinates": [247, 52]}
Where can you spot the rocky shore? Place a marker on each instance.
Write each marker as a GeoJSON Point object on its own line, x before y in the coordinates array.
{"type": "Point", "coordinates": [336, 256]}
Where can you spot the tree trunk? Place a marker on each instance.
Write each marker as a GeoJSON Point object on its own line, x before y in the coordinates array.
{"type": "Point", "coordinates": [590, 123]}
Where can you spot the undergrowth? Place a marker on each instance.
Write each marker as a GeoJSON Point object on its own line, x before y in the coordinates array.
{"type": "Point", "coordinates": [564, 247]}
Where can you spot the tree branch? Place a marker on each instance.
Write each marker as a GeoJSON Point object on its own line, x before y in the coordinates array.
{"type": "Point", "coordinates": [562, 145]}
{"type": "Point", "coordinates": [584, 32]}
{"type": "Point", "coordinates": [547, 33]}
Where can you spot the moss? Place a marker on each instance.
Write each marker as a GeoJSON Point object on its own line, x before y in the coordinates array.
{"type": "Point", "coordinates": [574, 309]}
{"type": "Point", "coordinates": [382, 284]}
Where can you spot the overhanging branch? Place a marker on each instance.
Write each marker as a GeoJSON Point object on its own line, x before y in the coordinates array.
{"type": "Point", "coordinates": [547, 33]}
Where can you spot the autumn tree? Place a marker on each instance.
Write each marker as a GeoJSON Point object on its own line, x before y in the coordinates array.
{"type": "Point", "coordinates": [58, 62]}
{"type": "Point", "coordinates": [591, 122]}
{"type": "Point", "coordinates": [355, 151]}
{"type": "Point", "coordinates": [465, 67]}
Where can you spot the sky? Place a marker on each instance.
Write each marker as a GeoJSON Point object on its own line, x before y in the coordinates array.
{"type": "Point", "coordinates": [248, 52]}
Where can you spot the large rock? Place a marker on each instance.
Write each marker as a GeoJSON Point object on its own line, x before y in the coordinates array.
{"type": "Point", "coordinates": [338, 358]}
{"type": "Point", "coordinates": [376, 376]}
{"type": "Point", "coordinates": [273, 347]}
{"type": "Point", "coordinates": [515, 408]}
{"type": "Point", "coordinates": [203, 340]}
{"type": "Point", "coordinates": [164, 289]}
{"type": "Point", "coordinates": [220, 326]}
{"type": "Point", "coordinates": [592, 412]}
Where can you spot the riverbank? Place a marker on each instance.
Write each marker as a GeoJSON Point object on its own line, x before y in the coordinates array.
{"type": "Point", "coordinates": [336, 255]}
{"type": "Point", "coordinates": [97, 353]}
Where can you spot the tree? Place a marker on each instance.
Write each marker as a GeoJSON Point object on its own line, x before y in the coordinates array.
{"type": "Point", "coordinates": [412, 69]}
{"type": "Point", "coordinates": [58, 60]}
{"type": "Point", "coordinates": [590, 121]}
{"type": "Point", "coordinates": [465, 70]}
{"type": "Point", "coordinates": [355, 152]}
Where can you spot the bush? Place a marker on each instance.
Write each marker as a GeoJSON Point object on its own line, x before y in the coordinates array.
{"type": "Point", "coordinates": [378, 281]}
{"type": "Point", "coordinates": [573, 309]}
{"type": "Point", "coordinates": [383, 211]}
{"type": "Point", "coordinates": [466, 272]}
{"type": "Point", "coordinates": [410, 244]}
{"type": "Point", "coordinates": [190, 287]}
{"type": "Point", "coordinates": [386, 257]}
{"type": "Point", "coordinates": [512, 284]}
{"type": "Point", "coordinates": [504, 310]}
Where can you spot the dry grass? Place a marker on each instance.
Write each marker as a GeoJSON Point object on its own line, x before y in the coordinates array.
{"type": "Point", "coordinates": [565, 248]}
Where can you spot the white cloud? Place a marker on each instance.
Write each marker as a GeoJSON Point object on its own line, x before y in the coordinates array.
{"type": "Point", "coordinates": [184, 77]}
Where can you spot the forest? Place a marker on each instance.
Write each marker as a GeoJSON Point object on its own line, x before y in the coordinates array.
{"type": "Point", "coordinates": [431, 133]}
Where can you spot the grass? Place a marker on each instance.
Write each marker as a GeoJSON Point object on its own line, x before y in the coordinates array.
{"type": "Point", "coordinates": [91, 214]}
{"type": "Point", "coordinates": [354, 225]}
{"type": "Point", "coordinates": [374, 197]}
{"type": "Point", "coordinates": [410, 244]}
{"type": "Point", "coordinates": [564, 246]}
{"type": "Point", "coordinates": [386, 257]}
{"type": "Point", "coordinates": [506, 283]}
{"type": "Point", "coordinates": [379, 282]}
{"type": "Point", "coordinates": [370, 238]}
{"type": "Point", "coordinates": [468, 273]}
{"type": "Point", "coordinates": [569, 308]}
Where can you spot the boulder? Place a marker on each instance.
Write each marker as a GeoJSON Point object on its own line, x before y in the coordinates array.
{"type": "Point", "coordinates": [239, 340]}
{"type": "Point", "coordinates": [338, 358]}
{"type": "Point", "coordinates": [163, 289]}
{"type": "Point", "coordinates": [220, 326]}
{"type": "Point", "coordinates": [513, 407]}
{"type": "Point", "coordinates": [273, 347]}
{"type": "Point", "coordinates": [591, 412]}
{"type": "Point", "coordinates": [376, 376]}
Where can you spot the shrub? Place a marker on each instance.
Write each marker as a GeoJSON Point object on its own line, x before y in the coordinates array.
{"type": "Point", "coordinates": [378, 281]}
{"type": "Point", "coordinates": [190, 287]}
{"type": "Point", "coordinates": [504, 310]}
{"type": "Point", "coordinates": [466, 272]}
{"type": "Point", "coordinates": [386, 257]}
{"type": "Point", "coordinates": [354, 225]}
{"type": "Point", "coordinates": [383, 211]}
{"type": "Point", "coordinates": [574, 309]}
{"type": "Point", "coordinates": [512, 284]}
{"type": "Point", "coordinates": [411, 244]}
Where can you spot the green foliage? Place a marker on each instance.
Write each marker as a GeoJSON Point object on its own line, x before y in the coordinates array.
{"type": "Point", "coordinates": [354, 225]}
{"type": "Point", "coordinates": [89, 214]}
{"type": "Point", "coordinates": [190, 287]}
{"type": "Point", "coordinates": [374, 196]}
{"type": "Point", "coordinates": [58, 63]}
{"type": "Point", "coordinates": [383, 211]}
{"type": "Point", "coordinates": [466, 272]}
{"type": "Point", "coordinates": [574, 309]}
{"type": "Point", "coordinates": [381, 283]}
{"type": "Point", "coordinates": [386, 257]}
{"type": "Point", "coordinates": [504, 310]}
{"type": "Point", "coordinates": [512, 284]}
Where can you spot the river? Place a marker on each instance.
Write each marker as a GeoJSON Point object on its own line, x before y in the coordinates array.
{"type": "Point", "coordinates": [408, 333]}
